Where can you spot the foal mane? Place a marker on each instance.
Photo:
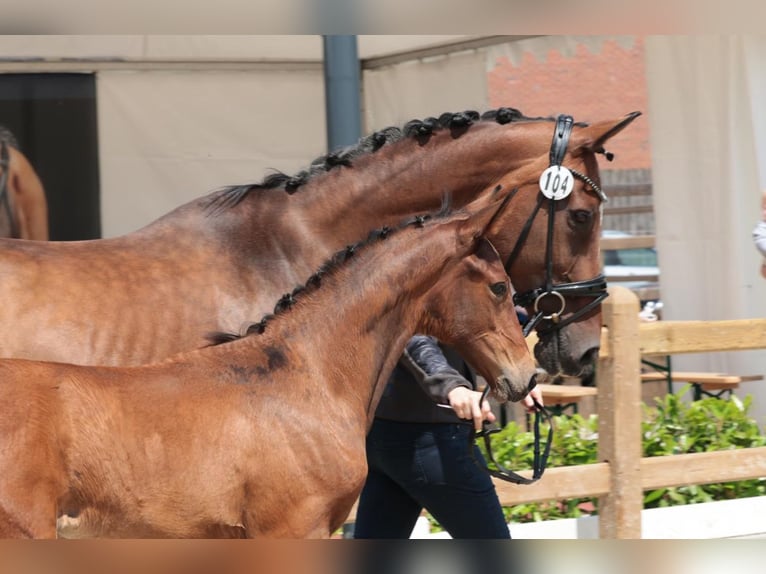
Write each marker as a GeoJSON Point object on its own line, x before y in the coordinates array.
{"type": "Point", "coordinates": [329, 267]}
{"type": "Point", "coordinates": [458, 123]}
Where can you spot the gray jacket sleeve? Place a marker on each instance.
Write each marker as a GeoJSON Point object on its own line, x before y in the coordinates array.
{"type": "Point", "coordinates": [759, 237]}
{"type": "Point", "coordinates": [426, 361]}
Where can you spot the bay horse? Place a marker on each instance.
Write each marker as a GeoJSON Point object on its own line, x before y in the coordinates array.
{"type": "Point", "coordinates": [23, 207]}
{"type": "Point", "coordinates": [262, 434]}
{"type": "Point", "coordinates": [215, 262]}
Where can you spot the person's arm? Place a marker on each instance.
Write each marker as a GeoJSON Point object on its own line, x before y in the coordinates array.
{"type": "Point", "coordinates": [426, 361]}
{"type": "Point", "coordinates": [443, 383]}
{"type": "Point", "coordinates": [759, 237]}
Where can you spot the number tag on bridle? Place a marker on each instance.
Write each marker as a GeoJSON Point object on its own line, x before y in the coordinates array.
{"type": "Point", "coordinates": [556, 182]}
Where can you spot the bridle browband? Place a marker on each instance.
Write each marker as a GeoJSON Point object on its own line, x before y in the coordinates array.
{"type": "Point", "coordinates": [594, 288]}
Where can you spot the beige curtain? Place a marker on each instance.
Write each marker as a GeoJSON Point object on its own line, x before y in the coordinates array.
{"type": "Point", "coordinates": [707, 124]}
{"type": "Point", "coordinates": [167, 137]}
{"type": "Point", "coordinates": [398, 93]}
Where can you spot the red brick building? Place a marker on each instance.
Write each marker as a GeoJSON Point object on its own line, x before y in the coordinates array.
{"type": "Point", "coordinates": [589, 86]}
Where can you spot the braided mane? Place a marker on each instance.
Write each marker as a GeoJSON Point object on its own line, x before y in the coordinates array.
{"type": "Point", "coordinates": [458, 123]}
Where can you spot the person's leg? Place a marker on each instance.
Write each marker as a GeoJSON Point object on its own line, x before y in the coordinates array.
{"type": "Point", "coordinates": [454, 489]}
{"type": "Point", "coordinates": [385, 509]}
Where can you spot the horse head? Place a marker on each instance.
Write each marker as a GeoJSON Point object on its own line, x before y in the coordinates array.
{"type": "Point", "coordinates": [550, 238]}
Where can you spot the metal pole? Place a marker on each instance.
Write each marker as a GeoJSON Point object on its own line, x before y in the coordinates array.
{"type": "Point", "coordinates": [342, 89]}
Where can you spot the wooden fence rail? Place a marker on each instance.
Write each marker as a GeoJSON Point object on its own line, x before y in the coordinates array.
{"type": "Point", "coordinates": [622, 475]}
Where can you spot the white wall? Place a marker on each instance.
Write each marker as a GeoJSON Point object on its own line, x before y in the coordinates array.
{"type": "Point", "coordinates": [706, 95]}
{"type": "Point", "coordinates": [398, 93]}
{"type": "Point", "coordinates": [168, 137]}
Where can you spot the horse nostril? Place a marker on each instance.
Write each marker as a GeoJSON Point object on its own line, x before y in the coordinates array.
{"type": "Point", "coordinates": [588, 368]}
{"type": "Point", "coordinates": [590, 357]}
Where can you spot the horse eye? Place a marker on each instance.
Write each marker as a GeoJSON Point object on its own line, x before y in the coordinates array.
{"type": "Point", "coordinates": [499, 289]}
{"type": "Point", "coordinates": [581, 216]}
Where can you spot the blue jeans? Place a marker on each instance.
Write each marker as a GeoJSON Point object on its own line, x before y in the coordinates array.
{"type": "Point", "coordinates": [413, 466]}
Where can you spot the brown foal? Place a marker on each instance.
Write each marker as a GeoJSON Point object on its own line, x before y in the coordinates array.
{"type": "Point", "coordinates": [262, 434]}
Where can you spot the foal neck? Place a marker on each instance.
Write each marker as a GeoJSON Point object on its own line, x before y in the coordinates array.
{"type": "Point", "coordinates": [354, 326]}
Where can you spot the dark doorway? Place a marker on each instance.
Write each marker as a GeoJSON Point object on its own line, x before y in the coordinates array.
{"type": "Point", "coordinates": [53, 117]}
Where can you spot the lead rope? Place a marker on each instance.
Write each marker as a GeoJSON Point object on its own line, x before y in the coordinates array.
{"type": "Point", "coordinates": [540, 458]}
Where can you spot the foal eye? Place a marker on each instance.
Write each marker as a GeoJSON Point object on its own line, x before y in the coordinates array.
{"type": "Point", "coordinates": [499, 289]}
{"type": "Point", "coordinates": [580, 216]}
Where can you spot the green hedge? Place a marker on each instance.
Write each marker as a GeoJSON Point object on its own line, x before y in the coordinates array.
{"type": "Point", "coordinates": [670, 426]}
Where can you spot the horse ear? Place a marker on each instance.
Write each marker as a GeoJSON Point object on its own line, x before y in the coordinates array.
{"type": "Point", "coordinates": [595, 135]}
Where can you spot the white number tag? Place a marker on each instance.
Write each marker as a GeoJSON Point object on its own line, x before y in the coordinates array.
{"type": "Point", "coordinates": [556, 182]}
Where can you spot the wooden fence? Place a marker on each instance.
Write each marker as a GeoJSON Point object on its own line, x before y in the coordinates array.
{"type": "Point", "coordinates": [622, 476]}
{"type": "Point", "coordinates": [630, 206]}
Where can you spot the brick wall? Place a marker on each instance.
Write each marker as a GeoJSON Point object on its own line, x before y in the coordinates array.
{"type": "Point", "coordinates": [588, 86]}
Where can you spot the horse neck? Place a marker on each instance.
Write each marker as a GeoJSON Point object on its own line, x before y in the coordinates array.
{"type": "Point", "coordinates": [355, 325]}
{"type": "Point", "coordinates": [406, 178]}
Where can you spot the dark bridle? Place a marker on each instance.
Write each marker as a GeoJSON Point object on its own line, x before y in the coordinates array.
{"type": "Point", "coordinates": [555, 184]}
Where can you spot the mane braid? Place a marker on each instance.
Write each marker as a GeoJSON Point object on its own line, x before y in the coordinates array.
{"type": "Point", "coordinates": [457, 122]}
{"type": "Point", "coordinates": [313, 283]}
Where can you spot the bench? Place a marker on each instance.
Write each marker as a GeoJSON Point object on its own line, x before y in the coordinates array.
{"type": "Point", "coordinates": [704, 384]}
{"type": "Point", "coordinates": [559, 398]}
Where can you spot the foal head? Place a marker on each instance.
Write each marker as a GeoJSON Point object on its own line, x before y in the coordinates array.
{"type": "Point", "coordinates": [471, 308]}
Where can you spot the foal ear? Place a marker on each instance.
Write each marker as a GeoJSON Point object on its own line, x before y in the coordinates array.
{"type": "Point", "coordinates": [593, 137]}
{"type": "Point", "coordinates": [486, 251]}
{"type": "Point", "coordinates": [486, 212]}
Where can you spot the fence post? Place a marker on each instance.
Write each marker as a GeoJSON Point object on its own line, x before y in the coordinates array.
{"type": "Point", "coordinates": [619, 411]}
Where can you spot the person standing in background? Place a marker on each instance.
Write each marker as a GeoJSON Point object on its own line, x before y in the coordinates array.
{"type": "Point", "coordinates": [759, 235]}
{"type": "Point", "coordinates": [23, 206]}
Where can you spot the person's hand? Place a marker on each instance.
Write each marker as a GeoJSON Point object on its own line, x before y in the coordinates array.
{"type": "Point", "coordinates": [465, 403]}
{"type": "Point", "coordinates": [534, 395]}
{"type": "Point", "coordinates": [763, 269]}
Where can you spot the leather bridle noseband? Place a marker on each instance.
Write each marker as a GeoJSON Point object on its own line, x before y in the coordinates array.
{"type": "Point", "coordinates": [594, 288]}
